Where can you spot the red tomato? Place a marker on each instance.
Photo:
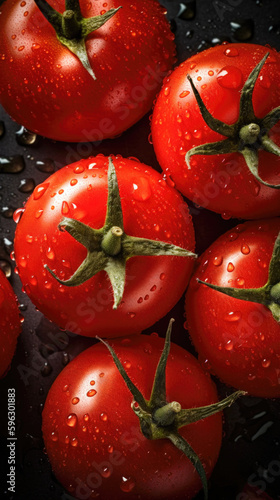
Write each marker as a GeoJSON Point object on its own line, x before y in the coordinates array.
{"type": "Point", "coordinates": [151, 209]}
{"type": "Point", "coordinates": [9, 323]}
{"type": "Point", "coordinates": [93, 437]}
{"type": "Point", "coordinates": [221, 182]}
{"type": "Point", "coordinates": [238, 340]}
{"type": "Point", "coordinates": [45, 87]}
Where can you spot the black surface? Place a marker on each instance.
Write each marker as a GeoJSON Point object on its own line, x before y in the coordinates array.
{"type": "Point", "coordinates": [250, 455]}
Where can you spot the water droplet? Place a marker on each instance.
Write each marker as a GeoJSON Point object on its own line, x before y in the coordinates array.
{"type": "Point", "coordinates": [185, 93]}
{"type": "Point", "coordinates": [47, 166]}
{"type": "Point", "coordinates": [131, 314]}
{"type": "Point", "coordinates": [240, 281]}
{"type": "Point", "coordinates": [75, 401]}
{"type": "Point", "coordinates": [127, 484]}
{"type": "Point", "coordinates": [232, 236]}
{"type": "Point", "coordinates": [110, 448]}
{"type": "Point", "coordinates": [26, 185]}
{"type": "Point", "coordinates": [218, 260]}
{"type": "Point", "coordinates": [162, 277]}
{"type": "Point", "coordinates": [245, 249]}
{"type": "Point", "coordinates": [242, 30]}
{"type": "Point", "coordinates": [72, 420]}
{"type": "Point", "coordinates": [65, 208]}
{"type": "Point", "coordinates": [65, 388]}
{"type": "Point", "coordinates": [25, 138]}
{"type": "Point", "coordinates": [74, 442]}
{"type": "Point", "coordinates": [141, 189]}
{"type": "Point", "coordinates": [46, 370]}
{"type": "Point", "coordinates": [86, 417]}
{"type": "Point", "coordinates": [266, 363]}
{"type": "Point", "coordinates": [54, 436]}
{"type": "Point", "coordinates": [38, 214]}
{"type": "Point", "coordinates": [33, 281]}
{"type": "Point", "coordinates": [79, 169]}
{"type": "Point", "coordinates": [230, 77]}
{"type": "Point", "coordinates": [229, 345]}
{"type": "Point", "coordinates": [187, 10]}
{"type": "Point", "coordinates": [11, 164]}
{"type": "Point", "coordinates": [233, 316]}
{"type": "Point", "coordinates": [65, 358]}
{"type": "Point", "coordinates": [91, 393]}
{"type": "Point", "coordinates": [104, 417]}
{"type": "Point", "coordinates": [18, 214]}
{"type": "Point", "coordinates": [231, 52]}
{"type": "Point", "coordinates": [50, 254]}
{"type": "Point", "coordinates": [230, 267]}
{"type": "Point", "coordinates": [166, 91]}
{"type": "Point", "coordinates": [6, 267]}
{"type": "Point", "coordinates": [40, 190]}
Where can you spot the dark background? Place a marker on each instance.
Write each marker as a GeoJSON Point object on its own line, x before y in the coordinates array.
{"type": "Point", "coordinates": [249, 463]}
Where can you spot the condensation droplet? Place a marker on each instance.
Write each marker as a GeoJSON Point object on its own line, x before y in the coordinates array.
{"type": "Point", "coordinates": [230, 267]}
{"type": "Point", "coordinates": [12, 164]}
{"type": "Point", "coordinates": [233, 316]}
{"type": "Point", "coordinates": [127, 484]}
{"type": "Point", "coordinates": [141, 189]}
{"type": "Point", "coordinates": [218, 260]}
{"type": "Point", "coordinates": [40, 190]}
{"type": "Point", "coordinates": [75, 401]}
{"type": "Point", "coordinates": [25, 138]}
{"type": "Point", "coordinates": [26, 185]}
{"type": "Point", "coordinates": [245, 249]}
{"type": "Point", "coordinates": [266, 363]}
{"type": "Point", "coordinates": [230, 77]}
{"type": "Point", "coordinates": [72, 420]}
{"type": "Point", "coordinates": [91, 393]}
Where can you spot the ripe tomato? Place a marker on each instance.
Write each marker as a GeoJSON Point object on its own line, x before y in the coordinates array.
{"type": "Point", "coordinates": [93, 437]}
{"type": "Point", "coordinates": [239, 339]}
{"type": "Point", "coordinates": [9, 323]}
{"type": "Point", "coordinates": [45, 87]}
{"type": "Point", "coordinates": [150, 209]}
{"type": "Point", "coordinates": [223, 182]}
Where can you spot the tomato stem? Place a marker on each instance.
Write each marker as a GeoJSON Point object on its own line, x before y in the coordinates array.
{"type": "Point", "coordinates": [70, 26]}
{"type": "Point", "coordinates": [247, 136]}
{"type": "Point", "coordinates": [160, 419]}
{"type": "Point", "coordinates": [267, 295]}
{"type": "Point", "coordinates": [109, 248]}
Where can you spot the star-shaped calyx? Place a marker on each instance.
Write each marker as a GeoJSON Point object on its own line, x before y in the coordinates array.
{"type": "Point", "coordinates": [110, 247]}
{"type": "Point", "coordinates": [72, 28]}
{"type": "Point", "coordinates": [247, 136]}
{"type": "Point", "coordinates": [267, 295]}
{"type": "Point", "coordinates": [160, 419]}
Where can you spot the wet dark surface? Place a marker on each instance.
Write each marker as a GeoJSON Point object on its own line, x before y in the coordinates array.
{"type": "Point", "coordinates": [249, 463]}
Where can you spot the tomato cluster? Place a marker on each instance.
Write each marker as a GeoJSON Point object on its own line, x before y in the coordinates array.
{"type": "Point", "coordinates": [105, 246]}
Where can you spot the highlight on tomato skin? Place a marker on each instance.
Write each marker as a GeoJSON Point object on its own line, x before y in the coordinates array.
{"type": "Point", "coordinates": [47, 89]}
{"type": "Point", "coordinates": [10, 324]}
{"type": "Point", "coordinates": [238, 339]}
{"type": "Point", "coordinates": [67, 211]}
{"type": "Point", "coordinates": [93, 437]}
{"type": "Point", "coordinates": [223, 153]}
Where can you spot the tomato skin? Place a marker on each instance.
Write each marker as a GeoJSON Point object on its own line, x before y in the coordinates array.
{"type": "Point", "coordinates": [10, 325]}
{"type": "Point", "coordinates": [151, 209]}
{"type": "Point", "coordinates": [110, 435]}
{"type": "Point", "coordinates": [44, 87]}
{"type": "Point", "coordinates": [222, 183]}
{"type": "Point", "coordinates": [240, 340]}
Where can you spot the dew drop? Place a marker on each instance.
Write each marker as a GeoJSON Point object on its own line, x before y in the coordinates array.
{"type": "Point", "coordinates": [91, 393]}
{"type": "Point", "coordinates": [65, 208]}
{"type": "Point", "coordinates": [230, 77]}
{"type": "Point", "coordinates": [54, 436]}
{"type": "Point", "coordinates": [231, 52]}
{"type": "Point", "coordinates": [245, 249]}
{"type": "Point", "coordinates": [40, 190]}
{"type": "Point", "coordinates": [162, 276]}
{"type": "Point", "coordinates": [230, 267]}
{"type": "Point", "coordinates": [65, 388]}
{"type": "Point", "coordinates": [243, 30]}
{"type": "Point", "coordinates": [266, 363]}
{"type": "Point", "coordinates": [6, 267]}
{"type": "Point", "coordinates": [166, 91]}
{"type": "Point", "coordinates": [233, 316]}
{"type": "Point", "coordinates": [50, 254]}
{"type": "Point", "coordinates": [79, 169]}
{"type": "Point", "coordinates": [47, 165]}
{"type": "Point", "coordinates": [38, 214]}
{"type": "Point", "coordinates": [25, 138]}
{"type": "Point", "coordinates": [106, 471]}
{"type": "Point", "coordinates": [75, 401]}
{"type": "Point", "coordinates": [86, 417]}
{"type": "Point", "coordinates": [229, 345]}
{"type": "Point", "coordinates": [73, 182]}
{"type": "Point", "coordinates": [104, 417]}
{"type": "Point", "coordinates": [127, 484]}
{"type": "Point", "coordinates": [71, 420]}
{"type": "Point", "coordinates": [185, 93]}
{"type": "Point", "coordinates": [187, 10]}
{"type": "Point", "coordinates": [110, 448]}
{"type": "Point", "coordinates": [218, 260]}
{"type": "Point", "coordinates": [26, 185]}
{"type": "Point", "coordinates": [12, 164]}
{"type": "Point", "coordinates": [18, 214]}
{"type": "Point", "coordinates": [141, 189]}
{"type": "Point", "coordinates": [46, 370]}
{"type": "Point", "coordinates": [74, 442]}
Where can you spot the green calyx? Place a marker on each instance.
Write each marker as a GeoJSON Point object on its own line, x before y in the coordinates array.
{"type": "Point", "coordinates": [247, 136]}
{"type": "Point", "coordinates": [160, 419]}
{"type": "Point", "coordinates": [72, 28]}
{"type": "Point", "coordinates": [267, 295]}
{"type": "Point", "coordinates": [109, 248]}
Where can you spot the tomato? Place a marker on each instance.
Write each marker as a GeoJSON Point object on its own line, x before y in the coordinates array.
{"type": "Point", "coordinates": [239, 339]}
{"type": "Point", "coordinates": [93, 437]}
{"type": "Point", "coordinates": [10, 325]}
{"type": "Point", "coordinates": [222, 158]}
{"type": "Point", "coordinates": [46, 88]}
{"type": "Point", "coordinates": [73, 201]}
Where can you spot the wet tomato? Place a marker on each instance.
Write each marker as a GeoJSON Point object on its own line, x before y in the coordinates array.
{"type": "Point", "coordinates": [215, 130]}
{"type": "Point", "coordinates": [9, 323]}
{"type": "Point", "coordinates": [233, 319]}
{"type": "Point", "coordinates": [104, 218]}
{"type": "Point", "coordinates": [93, 437]}
{"type": "Point", "coordinates": [46, 87]}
